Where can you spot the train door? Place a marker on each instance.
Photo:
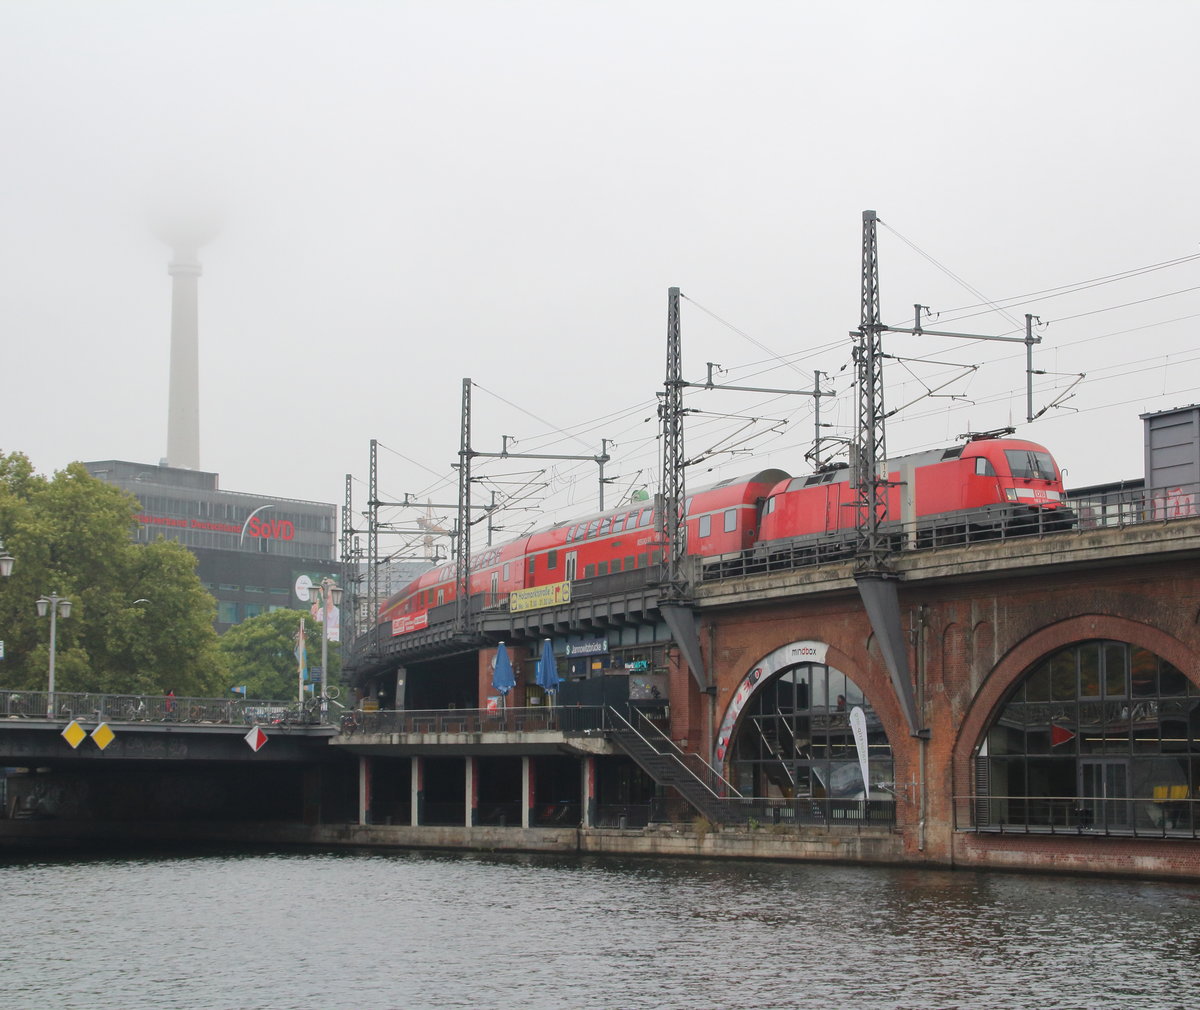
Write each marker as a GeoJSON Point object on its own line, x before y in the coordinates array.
{"type": "Point", "coordinates": [569, 567]}
{"type": "Point", "coordinates": [1104, 791]}
{"type": "Point", "coordinates": [495, 589]}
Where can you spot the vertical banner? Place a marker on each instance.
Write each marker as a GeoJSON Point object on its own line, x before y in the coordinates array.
{"type": "Point", "coordinates": [858, 724]}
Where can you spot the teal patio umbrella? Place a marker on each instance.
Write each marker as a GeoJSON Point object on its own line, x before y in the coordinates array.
{"type": "Point", "coordinates": [502, 674]}
{"type": "Point", "coordinates": [547, 670]}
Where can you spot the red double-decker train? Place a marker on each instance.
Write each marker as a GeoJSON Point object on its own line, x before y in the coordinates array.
{"type": "Point", "coordinates": [986, 485]}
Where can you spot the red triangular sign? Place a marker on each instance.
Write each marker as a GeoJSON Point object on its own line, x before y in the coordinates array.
{"type": "Point", "coordinates": [1058, 734]}
{"type": "Point", "coordinates": [255, 738]}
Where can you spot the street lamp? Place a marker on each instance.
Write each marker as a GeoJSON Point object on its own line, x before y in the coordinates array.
{"type": "Point", "coordinates": [6, 562]}
{"type": "Point", "coordinates": [56, 608]}
{"type": "Point", "coordinates": [329, 593]}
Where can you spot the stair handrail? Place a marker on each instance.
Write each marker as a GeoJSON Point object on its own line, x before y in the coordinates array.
{"type": "Point", "coordinates": [680, 756]}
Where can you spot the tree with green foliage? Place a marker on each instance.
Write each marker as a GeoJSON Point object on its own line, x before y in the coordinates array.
{"type": "Point", "coordinates": [260, 653]}
{"type": "Point", "coordinates": [141, 622]}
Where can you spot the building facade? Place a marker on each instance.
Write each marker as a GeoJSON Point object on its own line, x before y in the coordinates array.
{"type": "Point", "coordinates": [255, 553]}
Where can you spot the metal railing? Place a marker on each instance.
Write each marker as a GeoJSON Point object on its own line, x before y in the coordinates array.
{"type": "Point", "coordinates": [812, 811]}
{"type": "Point", "coordinates": [570, 719]}
{"type": "Point", "coordinates": [654, 737]}
{"type": "Point", "coordinates": [156, 708]}
{"type": "Point", "coordinates": [1164, 816]}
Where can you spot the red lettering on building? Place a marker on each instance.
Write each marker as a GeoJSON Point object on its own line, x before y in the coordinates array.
{"type": "Point", "coordinates": [272, 529]}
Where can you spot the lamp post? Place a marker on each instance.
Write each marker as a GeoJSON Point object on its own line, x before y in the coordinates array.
{"type": "Point", "coordinates": [6, 562]}
{"type": "Point", "coordinates": [55, 607]}
{"type": "Point", "coordinates": [329, 593]}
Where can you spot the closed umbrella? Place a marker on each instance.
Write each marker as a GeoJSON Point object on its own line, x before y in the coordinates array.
{"type": "Point", "coordinates": [502, 673]}
{"type": "Point", "coordinates": [547, 671]}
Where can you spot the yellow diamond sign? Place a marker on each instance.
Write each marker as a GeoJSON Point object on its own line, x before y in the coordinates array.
{"type": "Point", "coordinates": [74, 734]}
{"type": "Point", "coordinates": [102, 736]}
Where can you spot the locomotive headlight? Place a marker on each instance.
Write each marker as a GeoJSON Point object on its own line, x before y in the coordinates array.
{"type": "Point", "coordinates": [1010, 493]}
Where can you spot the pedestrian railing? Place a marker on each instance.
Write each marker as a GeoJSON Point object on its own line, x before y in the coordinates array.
{"type": "Point", "coordinates": [1168, 812]}
{"type": "Point", "coordinates": [128, 708]}
{"type": "Point", "coordinates": [574, 719]}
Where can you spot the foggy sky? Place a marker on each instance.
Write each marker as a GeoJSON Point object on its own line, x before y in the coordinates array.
{"type": "Point", "coordinates": [414, 193]}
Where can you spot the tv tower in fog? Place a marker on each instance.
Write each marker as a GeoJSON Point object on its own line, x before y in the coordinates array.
{"type": "Point", "coordinates": [183, 410]}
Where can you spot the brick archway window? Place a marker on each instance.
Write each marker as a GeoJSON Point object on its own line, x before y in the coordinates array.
{"type": "Point", "coordinates": [1100, 735]}
{"type": "Point", "coordinates": [794, 742]}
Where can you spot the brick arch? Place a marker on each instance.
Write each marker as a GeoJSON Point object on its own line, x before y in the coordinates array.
{"type": "Point", "coordinates": [1018, 661]}
{"type": "Point", "coordinates": [871, 678]}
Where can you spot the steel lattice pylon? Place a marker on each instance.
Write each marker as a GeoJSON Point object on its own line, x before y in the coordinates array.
{"type": "Point", "coordinates": [673, 484]}
{"type": "Point", "coordinates": [870, 451]}
{"type": "Point", "coordinates": [462, 562]}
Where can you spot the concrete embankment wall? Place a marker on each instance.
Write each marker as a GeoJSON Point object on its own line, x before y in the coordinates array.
{"type": "Point", "coordinates": [1162, 860]}
{"type": "Point", "coordinates": [834, 845]}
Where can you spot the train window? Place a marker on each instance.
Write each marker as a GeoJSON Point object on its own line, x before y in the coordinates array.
{"type": "Point", "coordinates": [705, 526]}
{"type": "Point", "coordinates": [618, 524]}
{"type": "Point", "coordinates": [589, 571]}
{"type": "Point", "coordinates": [641, 561]}
{"type": "Point", "coordinates": [656, 557]}
{"type": "Point", "coordinates": [506, 573]}
{"type": "Point", "coordinates": [441, 596]}
{"type": "Point", "coordinates": [552, 559]}
{"type": "Point", "coordinates": [628, 563]}
{"type": "Point", "coordinates": [730, 520]}
{"type": "Point", "coordinates": [602, 568]}
{"type": "Point", "coordinates": [532, 566]}
{"type": "Point", "coordinates": [1028, 465]}
{"type": "Point", "coordinates": [616, 564]}
{"type": "Point", "coordinates": [631, 520]}
{"type": "Point", "coordinates": [595, 524]}
{"type": "Point", "coordinates": [647, 518]}
{"type": "Point", "coordinates": [687, 506]}
{"type": "Point", "coordinates": [984, 468]}
{"type": "Point", "coordinates": [570, 534]}
{"type": "Point", "coordinates": [603, 530]}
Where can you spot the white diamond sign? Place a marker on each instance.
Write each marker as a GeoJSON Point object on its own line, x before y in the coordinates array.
{"type": "Point", "coordinates": [255, 738]}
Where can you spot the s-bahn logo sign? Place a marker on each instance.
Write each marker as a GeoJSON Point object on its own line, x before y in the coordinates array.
{"type": "Point", "coordinates": [539, 596]}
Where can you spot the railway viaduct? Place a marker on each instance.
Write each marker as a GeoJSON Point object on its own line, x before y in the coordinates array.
{"type": "Point", "coordinates": [976, 620]}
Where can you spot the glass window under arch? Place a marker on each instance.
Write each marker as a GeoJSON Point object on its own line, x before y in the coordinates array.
{"type": "Point", "coordinates": [793, 740]}
{"type": "Point", "coordinates": [1099, 735]}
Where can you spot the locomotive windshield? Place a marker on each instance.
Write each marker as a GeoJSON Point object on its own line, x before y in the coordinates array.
{"type": "Point", "coordinates": [1030, 465]}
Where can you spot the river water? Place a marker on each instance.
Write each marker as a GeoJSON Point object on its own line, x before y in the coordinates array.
{"type": "Point", "coordinates": [372, 930]}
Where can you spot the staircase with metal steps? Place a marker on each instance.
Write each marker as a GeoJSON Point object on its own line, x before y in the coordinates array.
{"type": "Point", "coordinates": [659, 757]}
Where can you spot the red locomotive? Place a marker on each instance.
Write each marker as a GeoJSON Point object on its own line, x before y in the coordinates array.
{"type": "Point", "coordinates": [987, 485]}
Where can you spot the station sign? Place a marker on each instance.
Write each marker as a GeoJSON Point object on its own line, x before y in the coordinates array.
{"type": "Point", "coordinates": [588, 647]}
{"type": "Point", "coordinates": [538, 597]}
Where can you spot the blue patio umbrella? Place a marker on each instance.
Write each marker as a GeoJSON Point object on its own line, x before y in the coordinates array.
{"type": "Point", "coordinates": [547, 671]}
{"type": "Point", "coordinates": [502, 672]}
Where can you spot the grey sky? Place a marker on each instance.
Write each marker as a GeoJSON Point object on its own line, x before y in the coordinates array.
{"type": "Point", "coordinates": [413, 193]}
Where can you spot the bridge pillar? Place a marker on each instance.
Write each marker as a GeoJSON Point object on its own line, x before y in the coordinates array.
{"type": "Point", "coordinates": [472, 791]}
{"type": "Point", "coordinates": [364, 790]}
{"type": "Point", "coordinates": [527, 790]}
{"type": "Point", "coordinates": [588, 790]}
{"type": "Point", "coordinates": [417, 806]}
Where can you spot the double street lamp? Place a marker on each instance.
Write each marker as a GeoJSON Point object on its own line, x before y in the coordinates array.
{"type": "Point", "coordinates": [329, 595]}
{"type": "Point", "coordinates": [56, 608]}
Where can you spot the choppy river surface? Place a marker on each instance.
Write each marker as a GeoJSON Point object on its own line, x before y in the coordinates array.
{"type": "Point", "coordinates": [416, 930]}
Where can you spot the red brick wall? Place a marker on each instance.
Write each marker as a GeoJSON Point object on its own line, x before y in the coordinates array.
{"type": "Point", "coordinates": [971, 642]}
